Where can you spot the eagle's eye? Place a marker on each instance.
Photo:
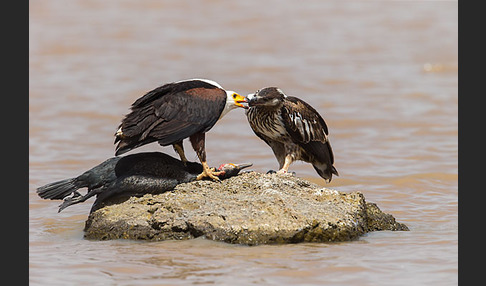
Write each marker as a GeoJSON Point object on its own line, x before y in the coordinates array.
{"type": "Point", "coordinates": [234, 95]}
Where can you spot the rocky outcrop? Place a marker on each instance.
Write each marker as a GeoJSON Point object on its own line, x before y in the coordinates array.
{"type": "Point", "coordinates": [251, 208]}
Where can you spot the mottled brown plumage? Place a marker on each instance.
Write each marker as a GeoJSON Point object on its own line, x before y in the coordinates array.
{"type": "Point", "coordinates": [293, 129]}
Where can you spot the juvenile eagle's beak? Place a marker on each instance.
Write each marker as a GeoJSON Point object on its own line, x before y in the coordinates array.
{"type": "Point", "coordinates": [239, 100]}
{"type": "Point", "coordinates": [251, 99]}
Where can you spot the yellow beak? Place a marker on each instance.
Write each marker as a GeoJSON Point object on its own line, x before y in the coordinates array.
{"type": "Point", "coordinates": [239, 100]}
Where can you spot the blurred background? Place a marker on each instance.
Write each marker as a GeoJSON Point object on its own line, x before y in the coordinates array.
{"type": "Point", "coordinates": [383, 74]}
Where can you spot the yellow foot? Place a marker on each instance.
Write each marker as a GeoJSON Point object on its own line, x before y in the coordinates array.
{"type": "Point", "coordinates": [211, 173]}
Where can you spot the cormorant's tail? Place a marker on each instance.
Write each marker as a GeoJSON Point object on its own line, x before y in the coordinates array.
{"type": "Point", "coordinates": [58, 190]}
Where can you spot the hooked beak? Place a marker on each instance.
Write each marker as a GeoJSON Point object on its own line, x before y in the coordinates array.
{"type": "Point", "coordinates": [240, 101]}
{"type": "Point", "coordinates": [251, 99]}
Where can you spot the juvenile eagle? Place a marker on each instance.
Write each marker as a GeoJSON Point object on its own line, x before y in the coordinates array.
{"type": "Point", "coordinates": [175, 111]}
{"type": "Point", "coordinates": [292, 128]}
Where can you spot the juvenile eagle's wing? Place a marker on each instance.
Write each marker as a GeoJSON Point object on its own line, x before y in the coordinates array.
{"type": "Point", "coordinates": [303, 122]}
{"type": "Point", "coordinates": [308, 129]}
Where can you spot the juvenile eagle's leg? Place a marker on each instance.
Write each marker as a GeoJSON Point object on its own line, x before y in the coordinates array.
{"type": "Point", "coordinates": [197, 141]}
{"type": "Point", "coordinates": [291, 151]}
{"type": "Point", "coordinates": [285, 168]}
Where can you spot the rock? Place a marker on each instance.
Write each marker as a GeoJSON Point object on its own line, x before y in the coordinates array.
{"type": "Point", "coordinates": [251, 208]}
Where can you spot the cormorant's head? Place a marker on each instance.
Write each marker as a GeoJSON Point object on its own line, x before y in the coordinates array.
{"type": "Point", "coordinates": [230, 169]}
{"type": "Point", "coordinates": [268, 96]}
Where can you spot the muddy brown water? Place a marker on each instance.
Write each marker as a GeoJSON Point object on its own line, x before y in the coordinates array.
{"type": "Point", "coordinates": [383, 75]}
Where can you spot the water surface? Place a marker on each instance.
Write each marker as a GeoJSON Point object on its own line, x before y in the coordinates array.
{"type": "Point", "coordinates": [383, 75]}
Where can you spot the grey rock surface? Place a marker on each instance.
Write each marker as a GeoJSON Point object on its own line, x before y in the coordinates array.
{"type": "Point", "coordinates": [251, 208]}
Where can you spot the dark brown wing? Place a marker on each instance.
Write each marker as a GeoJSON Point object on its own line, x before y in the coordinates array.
{"type": "Point", "coordinates": [303, 122]}
{"type": "Point", "coordinates": [308, 129]}
{"type": "Point", "coordinates": [169, 114]}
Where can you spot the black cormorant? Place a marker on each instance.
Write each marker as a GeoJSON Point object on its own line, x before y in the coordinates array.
{"type": "Point", "coordinates": [132, 175]}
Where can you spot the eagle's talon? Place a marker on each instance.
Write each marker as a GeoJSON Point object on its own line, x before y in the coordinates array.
{"type": "Point", "coordinates": [287, 174]}
{"type": "Point", "coordinates": [284, 172]}
{"type": "Point", "coordinates": [209, 173]}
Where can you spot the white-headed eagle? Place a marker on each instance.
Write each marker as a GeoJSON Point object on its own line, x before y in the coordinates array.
{"type": "Point", "coordinates": [175, 111]}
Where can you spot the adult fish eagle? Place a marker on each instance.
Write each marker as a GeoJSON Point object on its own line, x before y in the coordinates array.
{"type": "Point", "coordinates": [292, 128]}
{"type": "Point", "coordinates": [175, 111]}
